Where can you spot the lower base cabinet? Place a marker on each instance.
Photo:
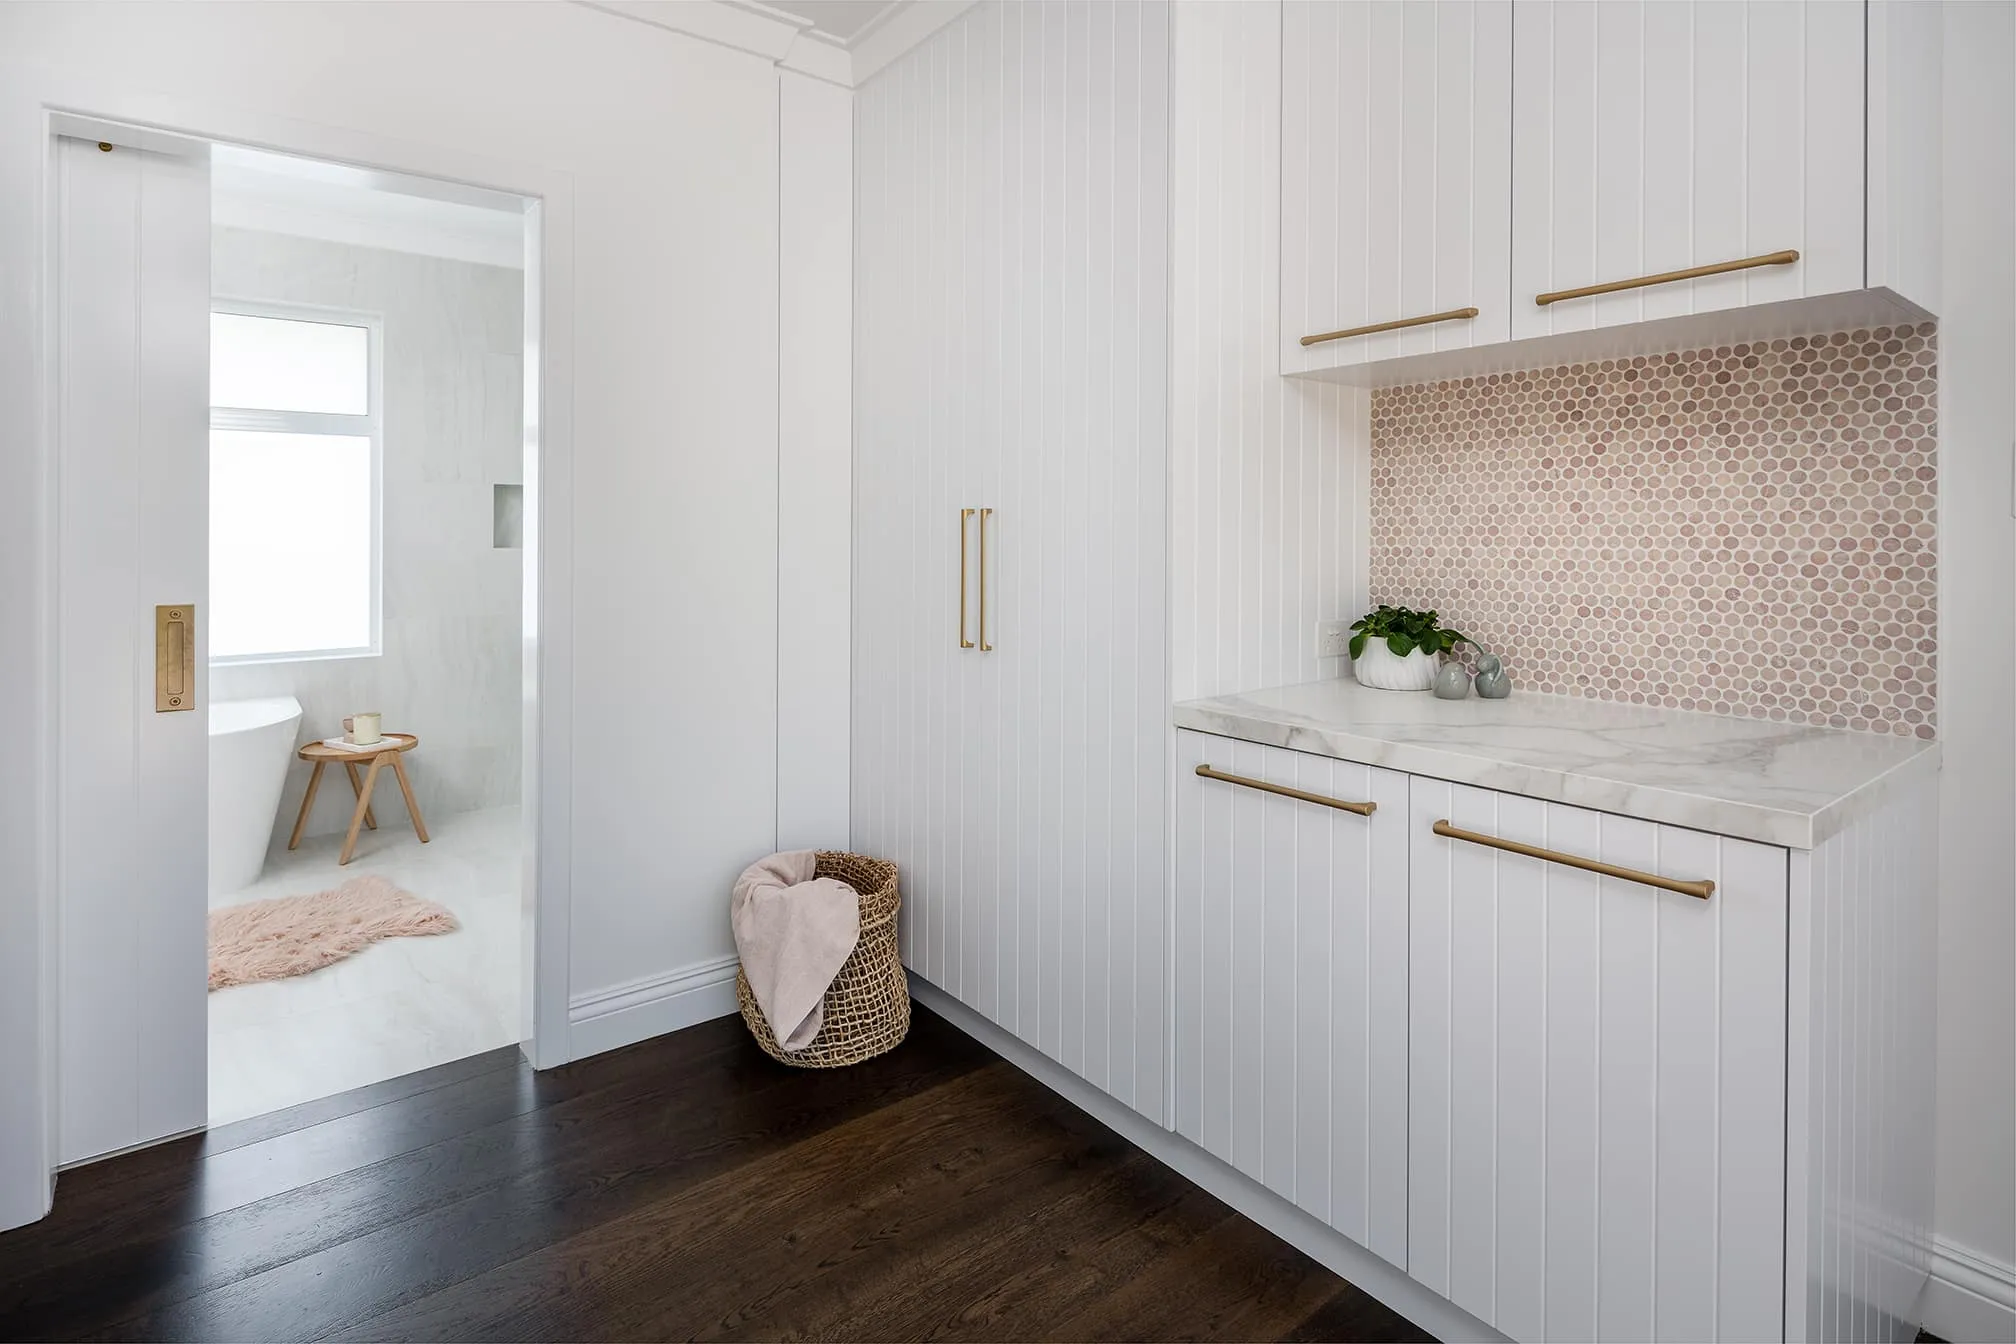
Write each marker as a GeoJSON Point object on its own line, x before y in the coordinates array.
{"type": "Point", "coordinates": [1596, 1081]}
{"type": "Point", "coordinates": [1291, 973]}
{"type": "Point", "coordinates": [1578, 1106]}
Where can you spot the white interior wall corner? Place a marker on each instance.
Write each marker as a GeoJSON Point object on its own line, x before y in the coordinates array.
{"type": "Point", "coordinates": [1975, 1206]}
{"type": "Point", "coordinates": [815, 461]}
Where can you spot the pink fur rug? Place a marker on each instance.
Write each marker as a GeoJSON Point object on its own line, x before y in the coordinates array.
{"type": "Point", "coordinates": [292, 935]}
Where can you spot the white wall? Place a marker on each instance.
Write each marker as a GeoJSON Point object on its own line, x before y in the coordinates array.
{"type": "Point", "coordinates": [665, 149]}
{"type": "Point", "coordinates": [448, 666]}
{"type": "Point", "coordinates": [815, 436]}
{"type": "Point", "coordinates": [1269, 529]}
{"type": "Point", "coordinates": [1976, 1205]}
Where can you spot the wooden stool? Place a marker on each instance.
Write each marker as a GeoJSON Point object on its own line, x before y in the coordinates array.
{"type": "Point", "coordinates": [391, 749]}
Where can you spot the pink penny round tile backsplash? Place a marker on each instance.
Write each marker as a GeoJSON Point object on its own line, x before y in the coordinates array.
{"type": "Point", "coordinates": [1749, 529]}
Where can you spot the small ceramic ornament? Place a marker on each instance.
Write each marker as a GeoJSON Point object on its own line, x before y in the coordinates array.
{"type": "Point", "coordinates": [1452, 682]}
{"type": "Point", "coordinates": [1492, 683]}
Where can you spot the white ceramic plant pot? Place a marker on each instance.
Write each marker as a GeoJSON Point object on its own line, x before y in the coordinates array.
{"type": "Point", "coordinates": [1381, 668]}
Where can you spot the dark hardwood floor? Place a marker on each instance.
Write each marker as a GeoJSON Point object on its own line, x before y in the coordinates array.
{"type": "Point", "coordinates": [686, 1187]}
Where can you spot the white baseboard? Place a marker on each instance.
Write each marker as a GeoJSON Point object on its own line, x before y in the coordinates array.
{"type": "Point", "coordinates": [604, 1019]}
{"type": "Point", "coordinates": [1329, 1247]}
{"type": "Point", "coordinates": [1969, 1299]}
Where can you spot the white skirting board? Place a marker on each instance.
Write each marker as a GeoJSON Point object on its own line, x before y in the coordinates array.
{"type": "Point", "coordinates": [624, 1014]}
{"type": "Point", "coordinates": [1969, 1297]}
{"type": "Point", "coordinates": [1386, 1282]}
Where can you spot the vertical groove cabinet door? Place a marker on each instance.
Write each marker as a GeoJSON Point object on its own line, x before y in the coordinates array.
{"type": "Point", "coordinates": [1291, 988]}
{"type": "Point", "coordinates": [1597, 1075]}
{"type": "Point", "coordinates": [1396, 192]}
{"type": "Point", "coordinates": [1654, 136]}
{"type": "Point", "coordinates": [1011, 346]}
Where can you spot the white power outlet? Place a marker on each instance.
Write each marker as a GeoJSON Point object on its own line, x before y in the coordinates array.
{"type": "Point", "coordinates": [1333, 639]}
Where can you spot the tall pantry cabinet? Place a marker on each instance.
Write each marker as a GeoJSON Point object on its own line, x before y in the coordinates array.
{"type": "Point", "coordinates": [1011, 478]}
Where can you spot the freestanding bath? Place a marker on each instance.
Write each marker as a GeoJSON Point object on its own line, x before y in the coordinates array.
{"type": "Point", "coordinates": [251, 742]}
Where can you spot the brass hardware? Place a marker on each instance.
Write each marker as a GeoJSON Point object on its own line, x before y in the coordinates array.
{"type": "Point", "coordinates": [985, 514]}
{"type": "Point", "coordinates": [174, 657]}
{"type": "Point", "coordinates": [104, 146]}
{"type": "Point", "coordinates": [1702, 889]}
{"type": "Point", "coordinates": [964, 514]}
{"type": "Point", "coordinates": [1452, 315]}
{"type": "Point", "coordinates": [1362, 809]}
{"type": "Point", "coordinates": [1785, 258]}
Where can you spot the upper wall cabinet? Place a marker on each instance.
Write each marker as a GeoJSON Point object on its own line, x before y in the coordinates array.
{"type": "Point", "coordinates": [1663, 136]}
{"type": "Point", "coordinates": [1396, 178]}
{"type": "Point", "coordinates": [1552, 163]}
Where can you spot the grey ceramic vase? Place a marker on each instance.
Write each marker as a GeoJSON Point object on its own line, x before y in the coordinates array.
{"type": "Point", "coordinates": [1492, 683]}
{"type": "Point", "coordinates": [1452, 682]}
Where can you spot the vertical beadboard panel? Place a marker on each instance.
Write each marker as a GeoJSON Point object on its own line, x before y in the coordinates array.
{"type": "Point", "coordinates": [1269, 475]}
{"type": "Point", "coordinates": [1597, 1082]}
{"type": "Point", "coordinates": [1861, 1064]}
{"type": "Point", "coordinates": [1011, 354]}
{"type": "Point", "coordinates": [1291, 938]}
{"type": "Point", "coordinates": [1656, 136]}
{"type": "Point", "coordinates": [1396, 175]}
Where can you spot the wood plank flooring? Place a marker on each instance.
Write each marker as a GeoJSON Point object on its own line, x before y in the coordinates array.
{"type": "Point", "coordinates": [686, 1187]}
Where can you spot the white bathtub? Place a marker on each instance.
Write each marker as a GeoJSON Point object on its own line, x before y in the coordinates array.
{"type": "Point", "coordinates": [251, 743]}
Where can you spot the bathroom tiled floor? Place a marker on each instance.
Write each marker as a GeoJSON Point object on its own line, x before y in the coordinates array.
{"type": "Point", "coordinates": [399, 1005]}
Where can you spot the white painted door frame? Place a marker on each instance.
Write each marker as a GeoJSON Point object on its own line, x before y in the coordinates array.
{"type": "Point", "coordinates": [35, 107]}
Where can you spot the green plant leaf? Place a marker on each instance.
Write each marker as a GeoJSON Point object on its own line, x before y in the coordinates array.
{"type": "Point", "coordinates": [1358, 642]}
{"type": "Point", "coordinates": [1400, 644]}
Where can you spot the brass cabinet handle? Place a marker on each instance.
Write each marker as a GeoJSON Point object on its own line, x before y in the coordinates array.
{"type": "Point", "coordinates": [1702, 889]}
{"type": "Point", "coordinates": [985, 514]}
{"type": "Point", "coordinates": [1362, 809]}
{"type": "Point", "coordinates": [964, 514]}
{"type": "Point", "coordinates": [1785, 258]}
{"type": "Point", "coordinates": [1454, 314]}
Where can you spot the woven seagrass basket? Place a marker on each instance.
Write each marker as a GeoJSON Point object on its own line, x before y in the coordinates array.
{"type": "Point", "coordinates": [868, 1003]}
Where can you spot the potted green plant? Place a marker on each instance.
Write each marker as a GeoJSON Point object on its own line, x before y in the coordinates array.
{"type": "Point", "coordinates": [1396, 648]}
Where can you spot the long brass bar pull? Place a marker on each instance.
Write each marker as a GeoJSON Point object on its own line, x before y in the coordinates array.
{"type": "Point", "coordinates": [1785, 258]}
{"type": "Point", "coordinates": [1453, 315]}
{"type": "Point", "coordinates": [1702, 889]}
{"type": "Point", "coordinates": [964, 514]}
{"type": "Point", "coordinates": [1362, 809]}
{"type": "Point", "coordinates": [985, 514]}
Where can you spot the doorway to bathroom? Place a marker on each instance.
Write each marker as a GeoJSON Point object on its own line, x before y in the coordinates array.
{"type": "Point", "coordinates": [293, 397]}
{"type": "Point", "coordinates": [365, 543]}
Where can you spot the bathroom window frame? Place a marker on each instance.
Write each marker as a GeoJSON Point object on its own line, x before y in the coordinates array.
{"type": "Point", "coordinates": [371, 424]}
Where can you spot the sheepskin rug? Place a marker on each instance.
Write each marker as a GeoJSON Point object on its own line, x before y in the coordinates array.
{"type": "Point", "coordinates": [292, 935]}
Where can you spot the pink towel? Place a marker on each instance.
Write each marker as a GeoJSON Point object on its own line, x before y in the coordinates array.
{"type": "Point", "coordinates": [794, 932]}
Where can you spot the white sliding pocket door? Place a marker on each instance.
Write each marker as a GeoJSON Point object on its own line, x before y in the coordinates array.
{"type": "Point", "coordinates": [133, 285]}
{"type": "Point", "coordinates": [1596, 1086]}
{"type": "Point", "coordinates": [1291, 978]}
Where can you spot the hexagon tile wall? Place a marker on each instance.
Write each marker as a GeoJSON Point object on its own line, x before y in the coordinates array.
{"type": "Point", "coordinates": [1749, 529]}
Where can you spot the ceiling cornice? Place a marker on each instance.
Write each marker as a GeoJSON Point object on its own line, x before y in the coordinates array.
{"type": "Point", "coordinates": [789, 41]}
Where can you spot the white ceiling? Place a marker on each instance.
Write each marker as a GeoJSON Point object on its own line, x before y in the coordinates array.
{"type": "Point", "coordinates": [841, 20]}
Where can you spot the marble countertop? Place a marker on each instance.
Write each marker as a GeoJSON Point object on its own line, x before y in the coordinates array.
{"type": "Point", "coordinates": [1778, 783]}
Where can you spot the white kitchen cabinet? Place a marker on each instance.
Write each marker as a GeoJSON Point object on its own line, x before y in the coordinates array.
{"type": "Point", "coordinates": [1490, 154]}
{"type": "Point", "coordinates": [1597, 1075]}
{"type": "Point", "coordinates": [1291, 980]}
{"type": "Point", "coordinates": [1013, 764]}
{"type": "Point", "coordinates": [1396, 176]}
{"type": "Point", "coordinates": [1657, 135]}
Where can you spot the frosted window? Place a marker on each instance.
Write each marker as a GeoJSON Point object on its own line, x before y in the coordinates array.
{"type": "Point", "coordinates": [290, 543]}
{"type": "Point", "coordinates": [278, 364]}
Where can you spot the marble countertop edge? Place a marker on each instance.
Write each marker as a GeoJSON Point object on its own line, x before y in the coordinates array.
{"type": "Point", "coordinates": [1751, 798]}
